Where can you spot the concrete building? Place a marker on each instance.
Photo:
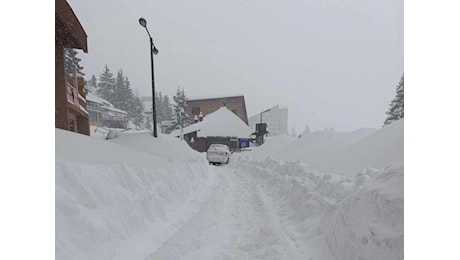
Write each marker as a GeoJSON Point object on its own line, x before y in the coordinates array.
{"type": "Point", "coordinates": [276, 119]}
{"type": "Point", "coordinates": [210, 104]}
{"type": "Point", "coordinates": [70, 102]}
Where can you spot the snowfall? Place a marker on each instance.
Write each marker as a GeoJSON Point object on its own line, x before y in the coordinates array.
{"type": "Point", "coordinates": [327, 195]}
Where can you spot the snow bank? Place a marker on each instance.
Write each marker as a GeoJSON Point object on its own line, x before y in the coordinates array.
{"type": "Point", "coordinates": [358, 217]}
{"type": "Point", "coordinates": [271, 145]}
{"type": "Point", "coordinates": [344, 153]}
{"type": "Point", "coordinates": [369, 224]}
{"type": "Point", "coordinates": [119, 202]}
{"type": "Point", "coordinates": [355, 214]}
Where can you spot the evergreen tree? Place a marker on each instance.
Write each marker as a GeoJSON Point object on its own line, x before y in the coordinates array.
{"type": "Point", "coordinates": [129, 101]}
{"type": "Point", "coordinates": [138, 113]}
{"type": "Point", "coordinates": [180, 117]}
{"type": "Point", "coordinates": [106, 85]}
{"type": "Point", "coordinates": [123, 97]}
{"type": "Point", "coordinates": [168, 113]}
{"type": "Point", "coordinates": [396, 109]}
{"type": "Point", "coordinates": [148, 123]}
{"type": "Point", "coordinates": [159, 107]}
{"type": "Point", "coordinates": [71, 62]}
{"type": "Point", "coordinates": [163, 107]}
{"type": "Point", "coordinates": [92, 85]}
{"type": "Point", "coordinates": [118, 98]}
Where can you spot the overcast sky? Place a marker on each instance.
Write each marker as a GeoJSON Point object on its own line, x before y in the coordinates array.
{"type": "Point", "coordinates": [332, 63]}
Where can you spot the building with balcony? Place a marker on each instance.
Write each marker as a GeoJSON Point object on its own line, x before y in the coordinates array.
{"type": "Point", "coordinates": [103, 114]}
{"type": "Point", "coordinates": [70, 103]}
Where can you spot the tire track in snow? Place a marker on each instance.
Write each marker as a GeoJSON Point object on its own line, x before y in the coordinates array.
{"type": "Point", "coordinates": [237, 222]}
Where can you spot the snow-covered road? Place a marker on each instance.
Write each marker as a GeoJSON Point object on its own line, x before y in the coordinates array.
{"type": "Point", "coordinates": [133, 201]}
{"type": "Point", "coordinates": [241, 220]}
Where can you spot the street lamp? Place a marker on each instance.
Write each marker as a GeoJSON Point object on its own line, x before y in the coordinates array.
{"type": "Point", "coordinates": [153, 50]}
{"type": "Point", "coordinates": [262, 113]}
{"type": "Point", "coordinates": [261, 129]}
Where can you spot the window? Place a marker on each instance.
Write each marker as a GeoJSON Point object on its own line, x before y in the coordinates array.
{"type": "Point", "coordinates": [195, 110]}
{"type": "Point", "coordinates": [92, 116]}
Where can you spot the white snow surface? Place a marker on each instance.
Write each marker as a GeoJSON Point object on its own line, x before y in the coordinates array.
{"type": "Point", "coordinates": [122, 202]}
{"type": "Point", "coordinates": [345, 153]}
{"type": "Point", "coordinates": [136, 197]}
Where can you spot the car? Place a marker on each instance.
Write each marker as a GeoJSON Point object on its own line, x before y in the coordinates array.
{"type": "Point", "coordinates": [218, 154]}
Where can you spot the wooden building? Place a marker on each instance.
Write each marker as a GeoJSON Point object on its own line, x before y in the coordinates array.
{"type": "Point", "coordinates": [208, 105]}
{"type": "Point", "coordinates": [70, 102]}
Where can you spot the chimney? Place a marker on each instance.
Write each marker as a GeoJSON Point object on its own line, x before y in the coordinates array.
{"type": "Point", "coordinates": [195, 119]}
{"type": "Point", "coordinates": [201, 116]}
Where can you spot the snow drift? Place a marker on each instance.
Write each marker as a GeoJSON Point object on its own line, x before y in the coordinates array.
{"type": "Point", "coordinates": [357, 214]}
{"type": "Point", "coordinates": [117, 202]}
{"type": "Point", "coordinates": [369, 224]}
{"type": "Point", "coordinates": [345, 153]}
{"type": "Point", "coordinates": [334, 216]}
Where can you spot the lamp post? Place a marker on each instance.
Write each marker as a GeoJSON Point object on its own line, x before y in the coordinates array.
{"type": "Point", "coordinates": [262, 113]}
{"type": "Point", "coordinates": [153, 50]}
{"type": "Point", "coordinates": [261, 129]}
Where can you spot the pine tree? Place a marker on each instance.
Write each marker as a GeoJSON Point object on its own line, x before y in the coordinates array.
{"type": "Point", "coordinates": [123, 97]}
{"type": "Point", "coordinates": [148, 123]}
{"type": "Point", "coordinates": [92, 85]}
{"type": "Point", "coordinates": [168, 113]}
{"type": "Point", "coordinates": [119, 99]}
{"type": "Point", "coordinates": [396, 109]}
{"type": "Point", "coordinates": [180, 116]}
{"type": "Point", "coordinates": [71, 62]}
{"type": "Point", "coordinates": [129, 101]}
{"type": "Point", "coordinates": [106, 85]}
{"type": "Point", "coordinates": [138, 113]}
{"type": "Point", "coordinates": [163, 107]}
{"type": "Point", "coordinates": [159, 107]}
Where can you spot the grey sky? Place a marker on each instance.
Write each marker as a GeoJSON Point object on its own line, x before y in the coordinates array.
{"type": "Point", "coordinates": [333, 63]}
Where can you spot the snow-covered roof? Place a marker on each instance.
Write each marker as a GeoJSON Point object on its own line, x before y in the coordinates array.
{"type": "Point", "coordinates": [96, 99]}
{"type": "Point", "coordinates": [213, 96]}
{"type": "Point", "coordinates": [106, 104]}
{"type": "Point", "coordinates": [222, 122]}
{"type": "Point", "coordinates": [116, 110]}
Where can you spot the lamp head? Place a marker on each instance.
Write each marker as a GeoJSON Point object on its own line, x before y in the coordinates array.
{"type": "Point", "coordinates": [143, 22]}
{"type": "Point", "coordinates": [155, 50]}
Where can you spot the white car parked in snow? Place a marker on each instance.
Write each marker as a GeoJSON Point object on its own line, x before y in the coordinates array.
{"type": "Point", "coordinates": [218, 153]}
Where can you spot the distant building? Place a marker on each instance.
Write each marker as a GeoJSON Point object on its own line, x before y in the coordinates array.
{"type": "Point", "coordinates": [276, 119]}
{"type": "Point", "coordinates": [103, 114]}
{"type": "Point", "coordinates": [70, 104]}
{"type": "Point", "coordinates": [210, 104]}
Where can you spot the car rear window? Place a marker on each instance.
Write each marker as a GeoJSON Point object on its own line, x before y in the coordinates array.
{"type": "Point", "coordinates": [218, 147]}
